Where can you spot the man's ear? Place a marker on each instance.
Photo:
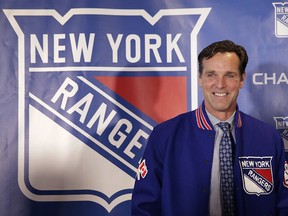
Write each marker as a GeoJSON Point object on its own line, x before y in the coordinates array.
{"type": "Point", "coordinates": [200, 80]}
{"type": "Point", "coordinates": [243, 78]}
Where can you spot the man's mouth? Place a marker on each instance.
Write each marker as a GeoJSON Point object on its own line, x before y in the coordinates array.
{"type": "Point", "coordinates": [219, 94]}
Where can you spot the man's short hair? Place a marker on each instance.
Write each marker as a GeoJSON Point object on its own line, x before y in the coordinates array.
{"type": "Point", "coordinates": [222, 47]}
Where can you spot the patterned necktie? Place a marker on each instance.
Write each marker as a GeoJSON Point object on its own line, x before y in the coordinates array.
{"type": "Point", "coordinates": [226, 171]}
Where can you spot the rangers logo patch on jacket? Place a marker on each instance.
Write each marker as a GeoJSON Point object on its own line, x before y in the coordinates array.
{"type": "Point", "coordinates": [257, 176]}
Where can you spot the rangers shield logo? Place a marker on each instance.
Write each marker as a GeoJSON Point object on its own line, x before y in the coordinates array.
{"type": "Point", "coordinates": [91, 91]}
{"type": "Point", "coordinates": [286, 174]}
{"type": "Point", "coordinates": [281, 19]}
{"type": "Point", "coordinates": [282, 126]}
{"type": "Point", "coordinates": [257, 176]}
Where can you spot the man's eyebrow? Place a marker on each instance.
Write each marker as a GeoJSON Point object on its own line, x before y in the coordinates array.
{"type": "Point", "coordinates": [210, 71]}
{"type": "Point", "coordinates": [226, 72]}
{"type": "Point", "coordinates": [231, 72]}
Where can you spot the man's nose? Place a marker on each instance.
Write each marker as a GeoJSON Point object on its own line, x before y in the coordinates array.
{"type": "Point", "coordinates": [220, 82]}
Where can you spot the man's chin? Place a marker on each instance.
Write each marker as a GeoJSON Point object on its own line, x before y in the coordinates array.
{"type": "Point", "coordinates": [222, 108]}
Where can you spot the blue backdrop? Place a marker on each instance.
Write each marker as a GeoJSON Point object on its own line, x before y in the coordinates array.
{"type": "Point", "coordinates": [83, 83]}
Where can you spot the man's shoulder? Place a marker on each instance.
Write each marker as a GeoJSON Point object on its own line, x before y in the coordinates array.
{"type": "Point", "coordinates": [184, 119]}
{"type": "Point", "coordinates": [255, 123]}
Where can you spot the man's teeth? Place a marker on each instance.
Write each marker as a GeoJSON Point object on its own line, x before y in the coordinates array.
{"type": "Point", "coordinates": [220, 94]}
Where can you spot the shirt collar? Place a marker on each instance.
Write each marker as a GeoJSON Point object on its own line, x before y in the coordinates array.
{"type": "Point", "coordinates": [204, 122]}
{"type": "Point", "coordinates": [214, 121]}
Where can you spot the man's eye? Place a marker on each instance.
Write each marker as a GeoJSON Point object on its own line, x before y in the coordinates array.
{"type": "Point", "coordinates": [210, 75]}
{"type": "Point", "coordinates": [230, 76]}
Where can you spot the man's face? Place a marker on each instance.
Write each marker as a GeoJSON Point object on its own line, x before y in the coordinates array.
{"type": "Point", "coordinates": [221, 82]}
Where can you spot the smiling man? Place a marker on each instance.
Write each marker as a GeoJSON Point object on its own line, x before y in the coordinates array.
{"type": "Point", "coordinates": [215, 160]}
{"type": "Point", "coordinates": [221, 80]}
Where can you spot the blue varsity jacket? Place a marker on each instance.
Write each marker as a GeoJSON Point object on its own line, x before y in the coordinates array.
{"type": "Point", "coordinates": [174, 175]}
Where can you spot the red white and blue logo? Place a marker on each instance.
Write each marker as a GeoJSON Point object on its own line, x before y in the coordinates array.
{"type": "Point", "coordinates": [142, 170]}
{"type": "Point", "coordinates": [91, 91]}
{"type": "Point", "coordinates": [257, 175]}
{"type": "Point", "coordinates": [281, 19]}
{"type": "Point", "coordinates": [286, 174]}
{"type": "Point", "coordinates": [282, 126]}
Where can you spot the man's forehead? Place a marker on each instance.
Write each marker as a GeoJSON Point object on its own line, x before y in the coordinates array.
{"type": "Point", "coordinates": [234, 72]}
{"type": "Point", "coordinates": [231, 55]}
{"type": "Point", "coordinates": [222, 60]}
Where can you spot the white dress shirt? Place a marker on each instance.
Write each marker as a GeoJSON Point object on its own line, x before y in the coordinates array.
{"type": "Point", "coordinates": [215, 190]}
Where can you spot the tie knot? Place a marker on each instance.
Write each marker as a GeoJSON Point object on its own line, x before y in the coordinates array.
{"type": "Point", "coordinates": [225, 126]}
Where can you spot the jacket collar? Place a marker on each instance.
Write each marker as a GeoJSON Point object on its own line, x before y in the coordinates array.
{"type": "Point", "coordinates": [204, 123]}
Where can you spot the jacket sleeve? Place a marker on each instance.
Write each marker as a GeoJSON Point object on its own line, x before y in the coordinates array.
{"type": "Point", "coordinates": [282, 190]}
{"type": "Point", "coordinates": [146, 197]}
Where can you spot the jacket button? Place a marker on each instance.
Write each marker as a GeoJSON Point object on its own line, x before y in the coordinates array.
{"type": "Point", "coordinates": [203, 190]}
{"type": "Point", "coordinates": [206, 162]}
